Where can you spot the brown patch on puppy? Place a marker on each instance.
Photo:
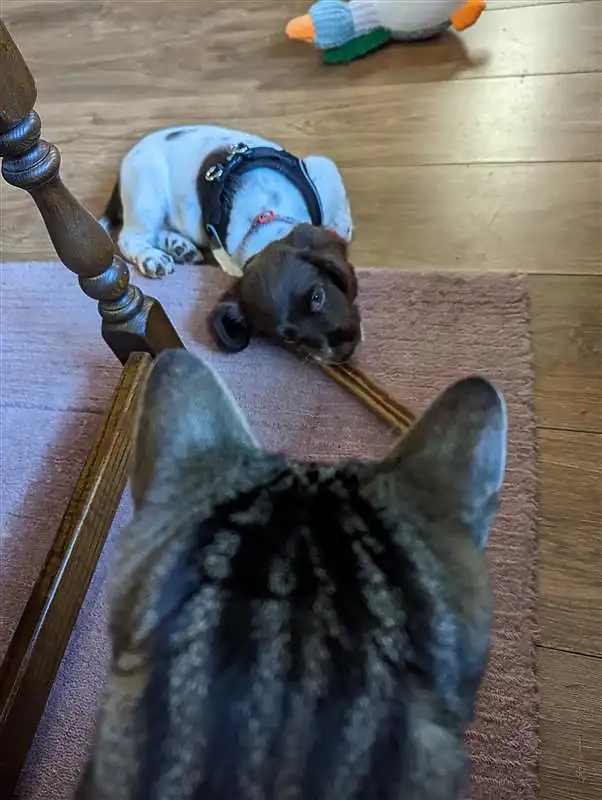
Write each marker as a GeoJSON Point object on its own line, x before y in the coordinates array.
{"type": "Point", "coordinates": [300, 291]}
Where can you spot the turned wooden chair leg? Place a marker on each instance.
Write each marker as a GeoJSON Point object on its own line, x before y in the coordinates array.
{"type": "Point", "coordinates": [131, 321]}
{"type": "Point", "coordinates": [136, 328]}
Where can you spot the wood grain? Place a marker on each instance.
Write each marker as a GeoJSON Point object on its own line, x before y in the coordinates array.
{"type": "Point", "coordinates": [523, 218]}
{"type": "Point", "coordinates": [516, 217]}
{"type": "Point", "coordinates": [570, 589]}
{"type": "Point", "coordinates": [571, 726]}
{"type": "Point", "coordinates": [494, 5]}
{"type": "Point", "coordinates": [42, 635]}
{"type": "Point", "coordinates": [533, 119]}
{"type": "Point", "coordinates": [535, 41]}
{"type": "Point", "coordinates": [208, 50]}
{"type": "Point", "coordinates": [567, 336]}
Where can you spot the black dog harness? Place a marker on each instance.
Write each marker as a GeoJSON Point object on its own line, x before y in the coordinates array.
{"type": "Point", "coordinates": [216, 185]}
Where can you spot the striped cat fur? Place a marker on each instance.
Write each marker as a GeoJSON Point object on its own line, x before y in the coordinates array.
{"type": "Point", "coordinates": [291, 631]}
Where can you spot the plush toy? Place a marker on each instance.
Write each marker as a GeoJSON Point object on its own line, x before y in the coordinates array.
{"type": "Point", "coordinates": [348, 29]}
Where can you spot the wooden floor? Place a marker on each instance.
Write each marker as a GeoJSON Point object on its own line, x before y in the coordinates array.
{"type": "Point", "coordinates": [479, 153]}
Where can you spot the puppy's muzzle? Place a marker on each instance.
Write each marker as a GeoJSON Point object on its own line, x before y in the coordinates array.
{"type": "Point", "coordinates": [335, 348]}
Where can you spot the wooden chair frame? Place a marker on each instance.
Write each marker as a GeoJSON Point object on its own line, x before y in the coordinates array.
{"type": "Point", "coordinates": [136, 329]}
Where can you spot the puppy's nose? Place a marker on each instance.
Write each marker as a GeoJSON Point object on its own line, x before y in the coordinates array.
{"type": "Point", "coordinates": [288, 334]}
{"type": "Point", "coordinates": [348, 350]}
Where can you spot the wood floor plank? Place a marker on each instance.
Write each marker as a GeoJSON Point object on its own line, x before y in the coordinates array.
{"type": "Point", "coordinates": [541, 118]}
{"type": "Point", "coordinates": [525, 218]}
{"type": "Point", "coordinates": [519, 41]}
{"type": "Point", "coordinates": [571, 726]}
{"type": "Point", "coordinates": [495, 5]}
{"type": "Point", "coordinates": [570, 588]}
{"type": "Point", "coordinates": [99, 43]}
{"type": "Point", "coordinates": [567, 335]}
{"type": "Point", "coordinates": [114, 52]}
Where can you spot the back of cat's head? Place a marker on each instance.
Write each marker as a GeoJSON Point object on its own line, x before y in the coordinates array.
{"type": "Point", "coordinates": [299, 630]}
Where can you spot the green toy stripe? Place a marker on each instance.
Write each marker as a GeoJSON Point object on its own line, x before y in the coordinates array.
{"type": "Point", "coordinates": [357, 47]}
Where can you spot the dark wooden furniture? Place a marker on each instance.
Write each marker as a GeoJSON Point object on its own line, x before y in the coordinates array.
{"type": "Point", "coordinates": [136, 329]}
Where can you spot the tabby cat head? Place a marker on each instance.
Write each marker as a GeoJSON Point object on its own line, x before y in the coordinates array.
{"type": "Point", "coordinates": [283, 629]}
{"type": "Point", "coordinates": [191, 432]}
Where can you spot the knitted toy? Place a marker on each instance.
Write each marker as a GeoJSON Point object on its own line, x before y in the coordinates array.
{"type": "Point", "coordinates": [348, 30]}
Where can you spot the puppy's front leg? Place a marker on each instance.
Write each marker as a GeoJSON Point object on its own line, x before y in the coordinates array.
{"type": "Point", "coordinates": [138, 248]}
{"type": "Point", "coordinates": [144, 186]}
{"type": "Point", "coordinates": [182, 249]}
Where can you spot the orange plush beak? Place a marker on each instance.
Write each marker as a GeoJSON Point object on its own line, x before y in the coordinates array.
{"type": "Point", "coordinates": [301, 29]}
{"type": "Point", "coordinates": [468, 14]}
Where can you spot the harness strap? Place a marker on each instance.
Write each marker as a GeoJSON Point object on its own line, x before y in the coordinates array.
{"type": "Point", "coordinates": [217, 178]}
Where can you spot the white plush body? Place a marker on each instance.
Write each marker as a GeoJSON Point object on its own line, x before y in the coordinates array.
{"type": "Point", "coordinates": [162, 217]}
{"type": "Point", "coordinates": [411, 16]}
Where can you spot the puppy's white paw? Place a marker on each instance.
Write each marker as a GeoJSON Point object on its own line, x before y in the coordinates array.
{"type": "Point", "coordinates": [182, 249]}
{"type": "Point", "coordinates": [154, 263]}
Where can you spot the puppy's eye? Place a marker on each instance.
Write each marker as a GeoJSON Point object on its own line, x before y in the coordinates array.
{"type": "Point", "coordinates": [318, 298]}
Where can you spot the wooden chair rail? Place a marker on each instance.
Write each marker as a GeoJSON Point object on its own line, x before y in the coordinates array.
{"type": "Point", "coordinates": [42, 635]}
{"type": "Point", "coordinates": [135, 327]}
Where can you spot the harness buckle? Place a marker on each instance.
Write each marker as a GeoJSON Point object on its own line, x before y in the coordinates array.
{"type": "Point", "coordinates": [214, 173]}
{"type": "Point", "coordinates": [239, 149]}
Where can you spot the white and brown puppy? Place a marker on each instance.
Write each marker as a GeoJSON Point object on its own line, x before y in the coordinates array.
{"type": "Point", "coordinates": [279, 224]}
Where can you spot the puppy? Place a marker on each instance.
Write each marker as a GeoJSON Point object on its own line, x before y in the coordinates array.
{"type": "Point", "coordinates": [279, 224]}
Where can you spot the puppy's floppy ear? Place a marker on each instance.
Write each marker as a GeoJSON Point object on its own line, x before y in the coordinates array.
{"type": "Point", "coordinates": [228, 323]}
{"type": "Point", "coordinates": [308, 237]}
{"type": "Point", "coordinates": [186, 416]}
{"type": "Point", "coordinates": [338, 269]}
{"type": "Point", "coordinates": [326, 250]}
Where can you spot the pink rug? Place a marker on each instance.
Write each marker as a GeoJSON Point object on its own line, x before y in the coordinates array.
{"type": "Point", "coordinates": [422, 332]}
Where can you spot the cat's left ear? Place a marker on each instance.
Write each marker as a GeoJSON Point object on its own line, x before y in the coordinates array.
{"type": "Point", "coordinates": [185, 411]}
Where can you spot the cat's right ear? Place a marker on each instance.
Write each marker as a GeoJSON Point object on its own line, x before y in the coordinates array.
{"type": "Point", "coordinates": [452, 461]}
{"type": "Point", "coordinates": [185, 412]}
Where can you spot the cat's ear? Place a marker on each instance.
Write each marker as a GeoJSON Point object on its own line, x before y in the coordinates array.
{"type": "Point", "coordinates": [185, 411]}
{"type": "Point", "coordinates": [453, 459]}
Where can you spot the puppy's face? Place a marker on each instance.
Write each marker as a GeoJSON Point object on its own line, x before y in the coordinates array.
{"type": "Point", "coordinates": [300, 291]}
